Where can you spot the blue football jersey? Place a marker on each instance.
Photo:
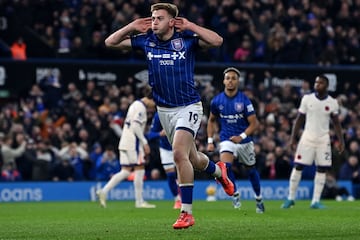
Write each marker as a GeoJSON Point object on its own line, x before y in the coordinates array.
{"type": "Point", "coordinates": [155, 129]}
{"type": "Point", "coordinates": [171, 67]}
{"type": "Point", "coordinates": [232, 113]}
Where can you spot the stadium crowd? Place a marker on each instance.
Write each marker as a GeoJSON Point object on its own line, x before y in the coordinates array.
{"type": "Point", "coordinates": [271, 31]}
{"type": "Point", "coordinates": [64, 133]}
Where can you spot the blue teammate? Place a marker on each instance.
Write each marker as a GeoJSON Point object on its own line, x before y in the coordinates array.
{"type": "Point", "coordinates": [235, 114]}
{"type": "Point", "coordinates": [169, 43]}
{"type": "Point", "coordinates": [166, 156]}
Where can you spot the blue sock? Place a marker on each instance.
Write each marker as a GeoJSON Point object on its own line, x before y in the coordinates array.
{"type": "Point", "coordinates": [231, 175]}
{"type": "Point", "coordinates": [186, 194]}
{"type": "Point", "coordinates": [171, 178]}
{"type": "Point", "coordinates": [210, 169]}
{"type": "Point", "coordinates": [255, 180]}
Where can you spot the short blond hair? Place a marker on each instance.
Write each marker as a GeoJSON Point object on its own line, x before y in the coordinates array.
{"type": "Point", "coordinates": [170, 8]}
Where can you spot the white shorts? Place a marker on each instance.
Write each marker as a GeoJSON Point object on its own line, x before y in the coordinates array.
{"type": "Point", "coordinates": [167, 158]}
{"type": "Point", "coordinates": [131, 158]}
{"type": "Point", "coordinates": [186, 118]}
{"type": "Point", "coordinates": [243, 153]}
{"type": "Point", "coordinates": [309, 151]}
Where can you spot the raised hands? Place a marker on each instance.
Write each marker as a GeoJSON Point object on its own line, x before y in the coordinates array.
{"type": "Point", "coordinates": [141, 24]}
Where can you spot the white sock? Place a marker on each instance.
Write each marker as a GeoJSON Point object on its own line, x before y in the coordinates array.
{"type": "Point", "coordinates": [217, 172]}
{"type": "Point", "coordinates": [319, 182]}
{"type": "Point", "coordinates": [138, 185]}
{"type": "Point", "coordinates": [115, 180]}
{"type": "Point", "coordinates": [186, 208]}
{"type": "Point", "coordinates": [295, 178]}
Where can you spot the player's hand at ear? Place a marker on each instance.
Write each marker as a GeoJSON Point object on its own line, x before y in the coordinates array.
{"type": "Point", "coordinates": [142, 24]}
{"type": "Point", "coordinates": [181, 24]}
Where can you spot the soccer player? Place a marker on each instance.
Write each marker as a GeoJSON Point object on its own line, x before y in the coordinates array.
{"type": "Point", "coordinates": [132, 147]}
{"type": "Point", "coordinates": [232, 112]}
{"type": "Point", "coordinates": [170, 43]}
{"type": "Point", "coordinates": [316, 110]}
{"type": "Point", "coordinates": [167, 157]}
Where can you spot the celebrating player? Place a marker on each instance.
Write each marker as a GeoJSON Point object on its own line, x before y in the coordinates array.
{"type": "Point", "coordinates": [170, 43]}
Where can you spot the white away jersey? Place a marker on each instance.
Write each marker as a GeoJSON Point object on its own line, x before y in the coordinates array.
{"type": "Point", "coordinates": [318, 114]}
{"type": "Point", "coordinates": [136, 115]}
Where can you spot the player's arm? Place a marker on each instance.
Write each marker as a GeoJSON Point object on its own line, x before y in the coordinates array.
{"type": "Point", "coordinates": [208, 38]}
{"type": "Point", "coordinates": [299, 122]}
{"type": "Point", "coordinates": [139, 133]}
{"type": "Point", "coordinates": [121, 40]}
{"type": "Point", "coordinates": [211, 127]}
{"type": "Point", "coordinates": [253, 125]}
{"type": "Point", "coordinates": [338, 132]}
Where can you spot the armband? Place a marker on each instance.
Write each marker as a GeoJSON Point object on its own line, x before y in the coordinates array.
{"type": "Point", "coordinates": [243, 135]}
{"type": "Point", "coordinates": [210, 140]}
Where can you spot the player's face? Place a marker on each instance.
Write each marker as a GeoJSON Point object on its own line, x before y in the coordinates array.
{"type": "Point", "coordinates": [320, 85]}
{"type": "Point", "coordinates": [231, 81]}
{"type": "Point", "coordinates": [161, 22]}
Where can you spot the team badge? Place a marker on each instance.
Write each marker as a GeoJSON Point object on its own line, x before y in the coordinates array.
{"type": "Point", "coordinates": [177, 44]}
{"type": "Point", "coordinates": [327, 108]}
{"type": "Point", "coordinates": [152, 44]}
{"type": "Point", "coordinates": [239, 107]}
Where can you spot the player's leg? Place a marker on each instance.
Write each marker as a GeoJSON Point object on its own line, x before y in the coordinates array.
{"type": "Point", "coordinates": [227, 154]}
{"type": "Point", "coordinates": [323, 162]}
{"type": "Point", "coordinates": [246, 155]}
{"type": "Point", "coordinates": [115, 179]}
{"type": "Point", "coordinates": [139, 171]}
{"type": "Point", "coordinates": [304, 155]}
{"type": "Point", "coordinates": [167, 161]}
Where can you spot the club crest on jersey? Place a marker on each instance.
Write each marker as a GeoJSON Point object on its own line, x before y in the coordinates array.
{"type": "Point", "coordinates": [239, 107]}
{"type": "Point", "coordinates": [177, 44]}
{"type": "Point", "coordinates": [152, 44]}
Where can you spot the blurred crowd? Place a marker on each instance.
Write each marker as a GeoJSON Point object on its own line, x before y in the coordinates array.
{"type": "Point", "coordinates": [262, 31]}
{"type": "Point", "coordinates": [71, 133]}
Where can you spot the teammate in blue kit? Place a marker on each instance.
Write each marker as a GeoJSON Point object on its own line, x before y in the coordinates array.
{"type": "Point", "coordinates": [166, 156]}
{"type": "Point", "coordinates": [170, 43]}
{"type": "Point", "coordinates": [235, 114]}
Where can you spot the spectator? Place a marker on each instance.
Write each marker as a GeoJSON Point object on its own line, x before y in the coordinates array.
{"type": "Point", "coordinates": [8, 152]}
{"type": "Point", "coordinates": [18, 49]}
{"type": "Point", "coordinates": [350, 170]}
{"type": "Point", "coordinates": [63, 171]}
{"type": "Point", "coordinates": [333, 191]}
{"type": "Point", "coordinates": [9, 173]}
{"type": "Point", "coordinates": [107, 165]}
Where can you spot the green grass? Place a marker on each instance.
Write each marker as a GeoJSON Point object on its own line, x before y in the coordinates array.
{"type": "Point", "coordinates": [214, 220]}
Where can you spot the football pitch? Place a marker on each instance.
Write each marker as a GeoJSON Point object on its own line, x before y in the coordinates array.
{"type": "Point", "coordinates": [213, 220]}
